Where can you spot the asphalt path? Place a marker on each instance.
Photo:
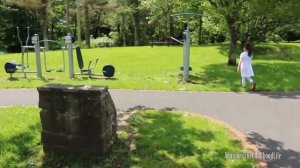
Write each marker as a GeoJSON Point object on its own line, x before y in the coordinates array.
{"type": "Point", "coordinates": [270, 120]}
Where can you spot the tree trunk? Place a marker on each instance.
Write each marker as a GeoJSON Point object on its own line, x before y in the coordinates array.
{"type": "Point", "coordinates": [171, 26]}
{"type": "Point", "coordinates": [233, 31]}
{"type": "Point", "coordinates": [68, 20]}
{"type": "Point", "coordinates": [136, 28]}
{"type": "Point", "coordinates": [87, 27]}
{"type": "Point", "coordinates": [78, 15]}
{"type": "Point", "coordinates": [200, 31]}
{"type": "Point", "coordinates": [123, 31]}
{"type": "Point", "coordinates": [52, 27]}
{"type": "Point", "coordinates": [45, 27]}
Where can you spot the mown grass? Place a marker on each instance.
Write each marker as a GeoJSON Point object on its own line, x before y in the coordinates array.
{"type": "Point", "coordinates": [19, 136]}
{"type": "Point", "coordinates": [277, 68]}
{"type": "Point", "coordinates": [152, 139]}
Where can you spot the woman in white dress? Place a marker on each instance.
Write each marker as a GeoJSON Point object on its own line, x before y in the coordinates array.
{"type": "Point", "coordinates": [245, 66]}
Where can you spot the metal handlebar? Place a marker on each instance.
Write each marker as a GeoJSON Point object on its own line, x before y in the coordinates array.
{"type": "Point", "coordinates": [27, 36]}
{"type": "Point", "coordinates": [177, 40]}
{"type": "Point", "coordinates": [18, 33]}
{"type": "Point", "coordinates": [49, 41]}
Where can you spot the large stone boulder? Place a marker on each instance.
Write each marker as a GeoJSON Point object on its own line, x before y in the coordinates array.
{"type": "Point", "coordinates": [77, 119]}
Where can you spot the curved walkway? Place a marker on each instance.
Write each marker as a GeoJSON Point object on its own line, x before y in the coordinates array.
{"type": "Point", "coordinates": [270, 120]}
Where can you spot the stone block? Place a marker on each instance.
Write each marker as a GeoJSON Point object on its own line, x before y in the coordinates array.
{"type": "Point", "coordinates": [77, 119]}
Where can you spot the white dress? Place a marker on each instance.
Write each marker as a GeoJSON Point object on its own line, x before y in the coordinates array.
{"type": "Point", "coordinates": [246, 65]}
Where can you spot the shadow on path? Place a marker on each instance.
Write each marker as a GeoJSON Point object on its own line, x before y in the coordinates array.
{"type": "Point", "coordinates": [289, 158]}
{"type": "Point", "coordinates": [281, 95]}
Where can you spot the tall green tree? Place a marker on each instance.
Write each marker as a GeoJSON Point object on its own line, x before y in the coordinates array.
{"type": "Point", "coordinates": [121, 20]}
{"type": "Point", "coordinates": [159, 17]}
{"type": "Point", "coordinates": [89, 7]}
{"type": "Point", "coordinates": [231, 11]}
{"type": "Point", "coordinates": [262, 18]}
{"type": "Point", "coordinates": [252, 20]}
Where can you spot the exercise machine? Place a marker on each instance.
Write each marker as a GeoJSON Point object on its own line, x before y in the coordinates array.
{"type": "Point", "coordinates": [62, 67]}
{"type": "Point", "coordinates": [108, 70]}
{"type": "Point", "coordinates": [23, 67]}
{"type": "Point", "coordinates": [186, 45]}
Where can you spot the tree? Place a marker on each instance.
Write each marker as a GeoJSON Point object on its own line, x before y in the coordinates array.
{"type": "Point", "coordinates": [78, 19]}
{"type": "Point", "coordinates": [44, 20]}
{"type": "Point", "coordinates": [159, 17]}
{"type": "Point", "coordinates": [88, 7]}
{"type": "Point", "coordinates": [266, 17]}
{"type": "Point", "coordinates": [121, 19]}
{"type": "Point", "coordinates": [230, 10]}
{"type": "Point", "coordinates": [252, 20]}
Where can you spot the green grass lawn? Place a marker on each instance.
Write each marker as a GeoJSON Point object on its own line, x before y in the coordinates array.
{"type": "Point", "coordinates": [277, 68]}
{"type": "Point", "coordinates": [152, 139]}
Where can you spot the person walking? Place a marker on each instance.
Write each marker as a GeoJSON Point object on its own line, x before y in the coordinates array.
{"type": "Point", "coordinates": [245, 66]}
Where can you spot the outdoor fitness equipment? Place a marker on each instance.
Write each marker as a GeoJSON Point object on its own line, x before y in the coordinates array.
{"type": "Point", "coordinates": [13, 67]}
{"type": "Point", "coordinates": [24, 49]}
{"type": "Point", "coordinates": [62, 69]}
{"type": "Point", "coordinates": [186, 45]}
{"type": "Point", "coordinates": [108, 70]}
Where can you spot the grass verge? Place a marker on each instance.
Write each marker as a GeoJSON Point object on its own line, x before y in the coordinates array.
{"type": "Point", "coordinates": [151, 139]}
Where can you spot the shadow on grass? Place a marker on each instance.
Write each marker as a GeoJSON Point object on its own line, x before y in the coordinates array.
{"type": "Point", "coordinates": [269, 77]}
{"type": "Point", "coordinates": [217, 76]}
{"type": "Point", "coordinates": [289, 158]}
{"type": "Point", "coordinates": [284, 52]}
{"type": "Point", "coordinates": [13, 79]}
{"type": "Point", "coordinates": [164, 138]}
{"type": "Point", "coordinates": [62, 161]}
{"type": "Point", "coordinates": [277, 76]}
{"type": "Point", "coordinates": [29, 79]}
{"type": "Point", "coordinates": [20, 147]}
{"type": "Point", "coordinates": [223, 49]}
{"type": "Point", "coordinates": [82, 78]}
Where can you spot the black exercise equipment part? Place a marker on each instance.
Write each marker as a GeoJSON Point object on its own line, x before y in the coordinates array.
{"type": "Point", "coordinates": [190, 68]}
{"type": "Point", "coordinates": [108, 70]}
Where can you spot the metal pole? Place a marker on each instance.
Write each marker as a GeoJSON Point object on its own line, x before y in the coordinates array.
{"type": "Point", "coordinates": [186, 44]}
{"type": "Point", "coordinates": [68, 40]}
{"type": "Point", "coordinates": [64, 61]}
{"type": "Point", "coordinates": [18, 33]}
{"type": "Point", "coordinates": [35, 41]}
{"type": "Point", "coordinates": [28, 34]}
{"type": "Point", "coordinates": [186, 59]}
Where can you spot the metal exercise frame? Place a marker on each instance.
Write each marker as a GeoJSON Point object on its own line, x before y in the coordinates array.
{"type": "Point", "coordinates": [13, 67]}
{"type": "Point", "coordinates": [186, 44]}
{"type": "Point", "coordinates": [63, 57]}
{"type": "Point", "coordinates": [25, 49]}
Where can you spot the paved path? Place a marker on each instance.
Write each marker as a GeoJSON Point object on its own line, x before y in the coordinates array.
{"type": "Point", "coordinates": [271, 120]}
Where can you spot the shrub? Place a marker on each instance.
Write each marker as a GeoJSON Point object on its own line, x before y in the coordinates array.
{"type": "Point", "coordinates": [102, 42]}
